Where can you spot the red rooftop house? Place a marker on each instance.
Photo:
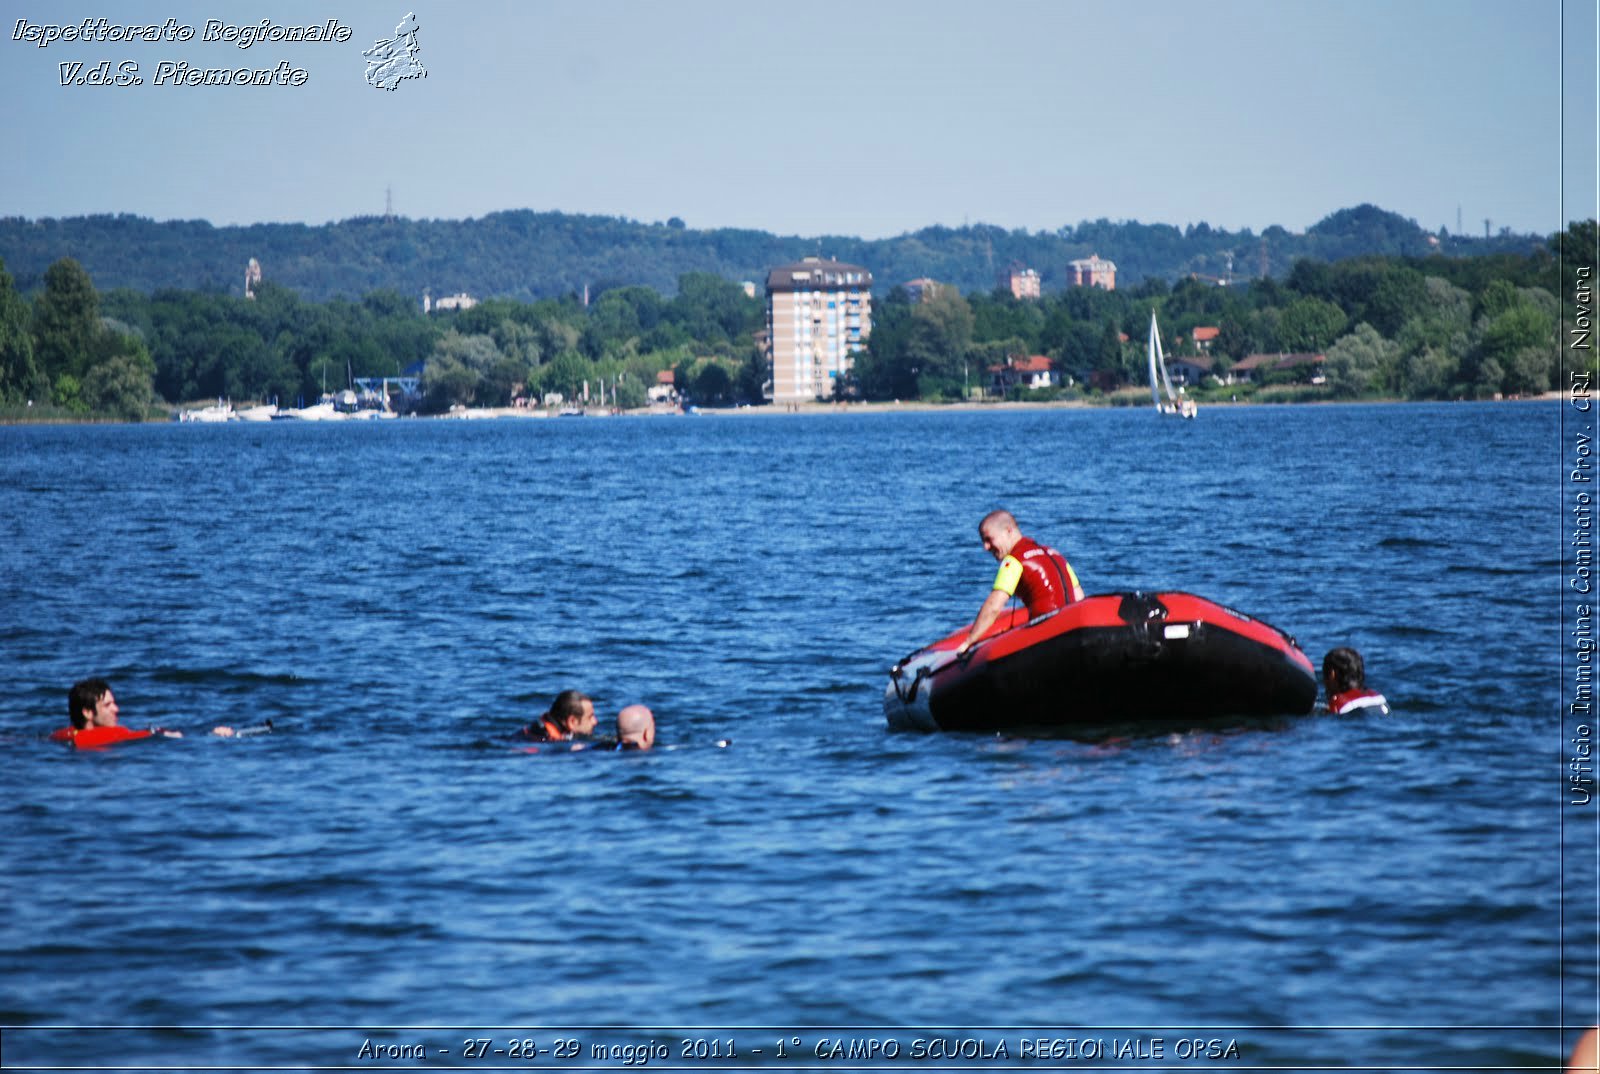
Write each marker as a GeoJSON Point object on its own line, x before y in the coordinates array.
{"type": "Point", "coordinates": [1204, 336]}
{"type": "Point", "coordinates": [1305, 368]}
{"type": "Point", "coordinates": [1034, 371]}
{"type": "Point", "coordinates": [664, 390]}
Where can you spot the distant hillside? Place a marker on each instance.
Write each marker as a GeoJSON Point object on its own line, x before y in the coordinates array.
{"type": "Point", "coordinates": [529, 255]}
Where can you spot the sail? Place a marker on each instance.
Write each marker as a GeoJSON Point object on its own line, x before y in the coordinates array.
{"type": "Point", "coordinates": [1153, 351]}
{"type": "Point", "coordinates": [1158, 361]}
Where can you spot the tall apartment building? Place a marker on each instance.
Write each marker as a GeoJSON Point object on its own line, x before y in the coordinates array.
{"type": "Point", "coordinates": [819, 314]}
{"type": "Point", "coordinates": [1092, 271]}
{"type": "Point", "coordinates": [1021, 282]}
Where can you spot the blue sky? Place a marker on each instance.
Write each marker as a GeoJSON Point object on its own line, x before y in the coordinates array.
{"type": "Point", "coordinates": [861, 118]}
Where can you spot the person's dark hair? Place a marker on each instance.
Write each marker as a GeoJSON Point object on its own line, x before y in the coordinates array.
{"type": "Point", "coordinates": [568, 703]}
{"type": "Point", "coordinates": [85, 695]}
{"type": "Point", "coordinates": [1343, 670]}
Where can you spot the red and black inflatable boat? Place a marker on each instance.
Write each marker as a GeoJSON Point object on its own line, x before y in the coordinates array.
{"type": "Point", "coordinates": [1108, 659]}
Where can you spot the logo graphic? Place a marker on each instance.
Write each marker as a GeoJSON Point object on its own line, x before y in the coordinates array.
{"type": "Point", "coordinates": [391, 62]}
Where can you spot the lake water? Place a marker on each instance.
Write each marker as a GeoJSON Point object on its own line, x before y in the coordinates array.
{"type": "Point", "coordinates": [1383, 893]}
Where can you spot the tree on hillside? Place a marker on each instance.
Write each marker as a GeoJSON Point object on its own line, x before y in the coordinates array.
{"type": "Point", "coordinates": [619, 316]}
{"type": "Point", "coordinates": [884, 370]}
{"type": "Point", "coordinates": [1233, 339]}
{"type": "Point", "coordinates": [708, 308]}
{"type": "Point", "coordinates": [1309, 325]}
{"type": "Point", "coordinates": [466, 370]}
{"type": "Point", "coordinates": [566, 374]}
{"type": "Point", "coordinates": [1360, 362]}
{"type": "Point", "coordinates": [66, 320]}
{"type": "Point", "coordinates": [1382, 293]}
{"type": "Point", "coordinates": [20, 378]}
{"type": "Point", "coordinates": [937, 341]}
{"type": "Point", "coordinates": [712, 385]}
{"type": "Point", "coordinates": [1433, 341]}
{"type": "Point", "coordinates": [1520, 340]}
{"type": "Point", "coordinates": [120, 384]}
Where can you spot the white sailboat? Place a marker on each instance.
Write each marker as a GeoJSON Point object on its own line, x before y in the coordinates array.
{"type": "Point", "coordinates": [1183, 407]}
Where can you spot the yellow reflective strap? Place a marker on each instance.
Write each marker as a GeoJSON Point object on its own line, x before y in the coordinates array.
{"type": "Point", "coordinates": [1009, 575]}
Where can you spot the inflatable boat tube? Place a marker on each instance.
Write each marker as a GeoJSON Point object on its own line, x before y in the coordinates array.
{"type": "Point", "coordinates": [1108, 659]}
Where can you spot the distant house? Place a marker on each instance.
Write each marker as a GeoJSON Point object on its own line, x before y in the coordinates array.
{"type": "Point", "coordinates": [1307, 368]}
{"type": "Point", "coordinates": [1034, 371]}
{"type": "Point", "coordinates": [1205, 335]}
{"type": "Point", "coordinates": [921, 289]}
{"type": "Point", "coordinates": [664, 390]}
{"type": "Point", "coordinates": [462, 301]}
{"type": "Point", "coordinates": [1187, 370]}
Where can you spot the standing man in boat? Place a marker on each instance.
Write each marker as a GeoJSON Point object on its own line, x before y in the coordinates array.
{"type": "Point", "coordinates": [1038, 574]}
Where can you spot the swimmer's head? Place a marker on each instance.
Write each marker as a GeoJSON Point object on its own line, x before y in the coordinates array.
{"type": "Point", "coordinates": [573, 712]}
{"type": "Point", "coordinates": [1343, 669]}
{"type": "Point", "coordinates": [87, 699]}
{"type": "Point", "coordinates": [636, 728]}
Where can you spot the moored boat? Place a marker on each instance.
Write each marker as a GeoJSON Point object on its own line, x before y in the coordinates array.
{"type": "Point", "coordinates": [1112, 658]}
{"type": "Point", "coordinates": [264, 412]}
{"type": "Point", "coordinates": [219, 411]}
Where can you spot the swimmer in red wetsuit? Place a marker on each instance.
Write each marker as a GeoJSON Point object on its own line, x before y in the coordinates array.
{"type": "Point", "coordinates": [1039, 575]}
{"type": "Point", "coordinates": [93, 710]}
{"type": "Point", "coordinates": [1344, 676]}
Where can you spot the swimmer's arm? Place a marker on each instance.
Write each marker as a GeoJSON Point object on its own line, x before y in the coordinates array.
{"type": "Point", "coordinates": [992, 607]}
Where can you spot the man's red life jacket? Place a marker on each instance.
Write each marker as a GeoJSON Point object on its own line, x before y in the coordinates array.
{"type": "Point", "coordinates": [93, 738]}
{"type": "Point", "coordinates": [1047, 581]}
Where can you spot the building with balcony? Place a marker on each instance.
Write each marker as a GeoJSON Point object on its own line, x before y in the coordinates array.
{"type": "Point", "coordinates": [1021, 282]}
{"type": "Point", "coordinates": [819, 314]}
{"type": "Point", "coordinates": [1092, 271]}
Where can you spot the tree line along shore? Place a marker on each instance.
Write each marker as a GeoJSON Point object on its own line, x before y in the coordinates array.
{"type": "Point", "coordinates": [1384, 327]}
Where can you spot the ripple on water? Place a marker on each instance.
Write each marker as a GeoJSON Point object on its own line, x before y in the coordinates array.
{"type": "Point", "coordinates": [386, 856]}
